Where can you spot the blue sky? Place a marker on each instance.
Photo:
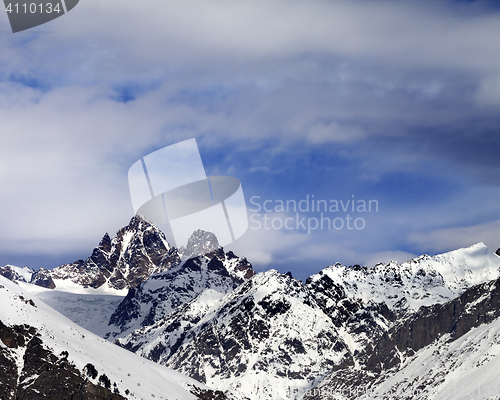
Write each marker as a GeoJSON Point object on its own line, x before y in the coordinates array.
{"type": "Point", "coordinates": [392, 101]}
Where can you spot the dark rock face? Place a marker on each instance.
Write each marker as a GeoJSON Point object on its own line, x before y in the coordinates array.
{"type": "Point", "coordinates": [199, 244]}
{"type": "Point", "coordinates": [208, 394]}
{"type": "Point", "coordinates": [270, 324]}
{"type": "Point", "coordinates": [385, 355]}
{"type": "Point", "coordinates": [136, 252]}
{"type": "Point", "coordinates": [42, 374]}
{"type": "Point", "coordinates": [42, 278]}
{"type": "Point", "coordinates": [162, 293]}
{"type": "Point", "coordinates": [478, 305]}
{"type": "Point", "coordinates": [11, 273]}
{"type": "Point", "coordinates": [8, 273]}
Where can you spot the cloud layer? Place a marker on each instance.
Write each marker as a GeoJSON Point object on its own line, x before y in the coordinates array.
{"type": "Point", "coordinates": [394, 101]}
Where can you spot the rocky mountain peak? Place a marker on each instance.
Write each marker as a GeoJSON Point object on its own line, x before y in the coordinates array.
{"type": "Point", "coordinates": [43, 278]}
{"type": "Point", "coordinates": [137, 251]}
{"type": "Point", "coordinates": [105, 243]}
{"type": "Point", "coordinates": [199, 243]}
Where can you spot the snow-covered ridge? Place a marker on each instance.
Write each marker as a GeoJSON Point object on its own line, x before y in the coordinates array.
{"type": "Point", "coordinates": [422, 281]}
{"type": "Point", "coordinates": [24, 272]}
{"type": "Point", "coordinates": [162, 293]}
{"type": "Point", "coordinates": [14, 273]}
{"type": "Point", "coordinates": [266, 339]}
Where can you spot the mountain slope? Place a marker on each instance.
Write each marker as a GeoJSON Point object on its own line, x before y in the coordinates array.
{"type": "Point", "coordinates": [35, 338]}
{"type": "Point", "coordinates": [162, 293]}
{"type": "Point", "coordinates": [449, 350]}
{"type": "Point", "coordinates": [265, 339]}
{"type": "Point", "coordinates": [274, 337]}
{"type": "Point", "coordinates": [88, 308]}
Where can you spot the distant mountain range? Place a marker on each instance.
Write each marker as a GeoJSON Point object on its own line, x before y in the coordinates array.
{"type": "Point", "coordinates": [428, 328]}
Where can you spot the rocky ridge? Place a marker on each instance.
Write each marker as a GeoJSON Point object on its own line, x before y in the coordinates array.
{"type": "Point", "coordinates": [14, 273]}
{"type": "Point", "coordinates": [137, 251]}
{"type": "Point", "coordinates": [402, 347]}
{"type": "Point", "coordinates": [162, 293]}
{"type": "Point", "coordinates": [263, 340]}
{"type": "Point", "coordinates": [274, 337]}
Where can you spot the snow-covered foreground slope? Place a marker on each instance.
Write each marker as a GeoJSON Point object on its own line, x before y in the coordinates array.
{"type": "Point", "coordinates": [142, 378]}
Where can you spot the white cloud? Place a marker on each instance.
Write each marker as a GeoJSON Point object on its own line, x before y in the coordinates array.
{"type": "Point", "coordinates": [120, 39]}
{"type": "Point", "coordinates": [488, 92]}
{"type": "Point", "coordinates": [409, 33]}
{"type": "Point", "coordinates": [264, 247]}
{"type": "Point", "coordinates": [441, 240]}
{"type": "Point", "coordinates": [272, 70]}
{"type": "Point", "coordinates": [333, 132]}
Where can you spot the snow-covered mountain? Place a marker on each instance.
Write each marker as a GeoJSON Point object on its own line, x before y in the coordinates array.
{"type": "Point", "coordinates": [136, 252]}
{"type": "Point", "coordinates": [348, 332]}
{"type": "Point", "coordinates": [88, 292]}
{"type": "Point", "coordinates": [45, 355]}
{"type": "Point", "coordinates": [180, 281]}
{"type": "Point", "coordinates": [162, 293]}
{"type": "Point", "coordinates": [14, 273]}
{"type": "Point", "coordinates": [274, 337]}
{"type": "Point", "coordinates": [443, 351]}
{"type": "Point", "coordinates": [368, 301]}
{"type": "Point", "coordinates": [263, 340]}
{"type": "Point", "coordinates": [421, 281]}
